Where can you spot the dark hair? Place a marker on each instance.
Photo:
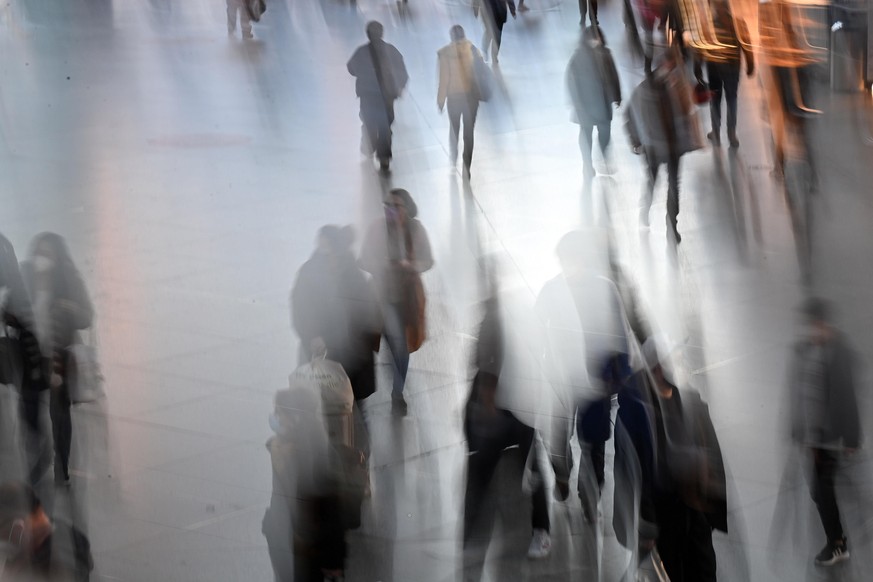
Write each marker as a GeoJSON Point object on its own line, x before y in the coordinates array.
{"type": "Point", "coordinates": [375, 30]}
{"type": "Point", "coordinates": [57, 244]}
{"type": "Point", "coordinates": [457, 32]}
{"type": "Point", "coordinates": [411, 206]}
{"type": "Point", "coordinates": [816, 309]}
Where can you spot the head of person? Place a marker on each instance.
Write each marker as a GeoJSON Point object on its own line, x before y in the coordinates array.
{"type": "Point", "coordinates": [456, 33]}
{"type": "Point", "coordinates": [48, 251]}
{"type": "Point", "coordinates": [375, 30]}
{"type": "Point", "coordinates": [24, 525]}
{"type": "Point", "coordinates": [583, 251]}
{"type": "Point", "coordinates": [817, 318]}
{"type": "Point", "coordinates": [615, 371]}
{"type": "Point", "coordinates": [333, 240]}
{"type": "Point", "coordinates": [593, 36]}
{"type": "Point", "coordinates": [400, 206]}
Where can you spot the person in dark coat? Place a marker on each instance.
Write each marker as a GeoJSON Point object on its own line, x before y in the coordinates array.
{"type": "Point", "coordinates": [687, 484]}
{"type": "Point", "coordinates": [334, 302]}
{"type": "Point", "coordinates": [662, 125]}
{"type": "Point", "coordinates": [592, 80]}
{"type": "Point", "coordinates": [380, 77]}
{"type": "Point", "coordinates": [61, 309]}
{"type": "Point", "coordinates": [824, 416]}
{"type": "Point", "coordinates": [494, 16]}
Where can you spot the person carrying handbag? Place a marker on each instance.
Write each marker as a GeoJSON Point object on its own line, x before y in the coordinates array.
{"type": "Point", "coordinates": [396, 251]}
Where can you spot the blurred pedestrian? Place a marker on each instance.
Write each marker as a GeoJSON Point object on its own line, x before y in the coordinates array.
{"type": "Point", "coordinates": [334, 302]}
{"type": "Point", "coordinates": [491, 429]}
{"type": "Point", "coordinates": [396, 251]}
{"type": "Point", "coordinates": [494, 16]}
{"type": "Point", "coordinates": [592, 80]}
{"type": "Point", "coordinates": [824, 416]}
{"type": "Point", "coordinates": [380, 77]}
{"type": "Point", "coordinates": [237, 8]}
{"type": "Point", "coordinates": [663, 126]}
{"type": "Point", "coordinates": [61, 309]}
{"type": "Point", "coordinates": [303, 525]}
{"type": "Point", "coordinates": [723, 70]}
{"type": "Point", "coordinates": [581, 310]}
{"type": "Point", "coordinates": [688, 483]}
{"type": "Point", "coordinates": [459, 89]}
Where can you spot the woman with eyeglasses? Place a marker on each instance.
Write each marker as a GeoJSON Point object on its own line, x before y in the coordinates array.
{"type": "Point", "coordinates": [396, 251]}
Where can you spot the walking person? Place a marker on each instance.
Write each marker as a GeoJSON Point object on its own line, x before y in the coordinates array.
{"type": "Point", "coordinates": [592, 80]}
{"type": "Point", "coordinates": [22, 366]}
{"type": "Point", "coordinates": [494, 16]}
{"type": "Point", "coordinates": [490, 429]}
{"type": "Point", "coordinates": [380, 77]}
{"type": "Point", "coordinates": [458, 88]}
{"type": "Point", "coordinates": [237, 9]}
{"type": "Point", "coordinates": [303, 524]}
{"type": "Point", "coordinates": [663, 126]}
{"type": "Point", "coordinates": [723, 74]}
{"type": "Point", "coordinates": [824, 416]}
{"type": "Point", "coordinates": [61, 309]}
{"type": "Point", "coordinates": [396, 251]}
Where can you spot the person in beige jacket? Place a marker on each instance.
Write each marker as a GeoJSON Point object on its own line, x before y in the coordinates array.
{"type": "Point", "coordinates": [458, 88]}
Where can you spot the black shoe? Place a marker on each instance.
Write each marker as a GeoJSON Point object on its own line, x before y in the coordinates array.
{"type": "Point", "coordinates": [832, 553]}
{"type": "Point", "coordinates": [732, 138]}
{"type": "Point", "coordinates": [399, 406]}
{"type": "Point", "coordinates": [384, 166]}
{"type": "Point", "coordinates": [714, 137]}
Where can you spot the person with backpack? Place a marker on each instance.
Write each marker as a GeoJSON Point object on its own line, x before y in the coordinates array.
{"type": "Point", "coordinates": [61, 308]}
{"type": "Point", "coordinates": [380, 77]}
{"type": "Point", "coordinates": [592, 80]}
{"type": "Point", "coordinates": [459, 89]}
{"type": "Point", "coordinates": [303, 524]}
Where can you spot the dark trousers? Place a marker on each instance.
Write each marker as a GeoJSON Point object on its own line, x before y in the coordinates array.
{"type": "Point", "coordinates": [492, 37]}
{"type": "Point", "coordinates": [823, 493]}
{"type": "Point", "coordinates": [462, 107]}
{"type": "Point", "coordinates": [724, 78]}
{"type": "Point", "coordinates": [586, 143]}
{"type": "Point", "coordinates": [62, 428]}
{"type": "Point", "coordinates": [377, 117]}
{"type": "Point", "coordinates": [684, 542]}
{"type": "Point", "coordinates": [484, 456]}
{"type": "Point", "coordinates": [672, 187]}
{"type": "Point", "coordinates": [583, 11]}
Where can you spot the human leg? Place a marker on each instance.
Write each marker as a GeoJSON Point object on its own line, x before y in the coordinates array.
{"type": "Point", "coordinates": [731, 84]}
{"type": "Point", "coordinates": [455, 108]}
{"type": "Point", "coordinates": [824, 494]}
{"type": "Point", "coordinates": [673, 195]}
{"type": "Point", "coordinates": [395, 334]}
{"type": "Point", "coordinates": [469, 114]}
{"type": "Point", "coordinates": [713, 73]}
{"type": "Point", "coordinates": [585, 145]}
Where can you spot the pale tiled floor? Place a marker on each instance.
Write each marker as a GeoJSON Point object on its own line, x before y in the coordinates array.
{"type": "Point", "coordinates": [190, 172]}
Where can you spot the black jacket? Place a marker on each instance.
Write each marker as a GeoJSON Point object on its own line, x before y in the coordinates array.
{"type": "Point", "coordinates": [841, 419]}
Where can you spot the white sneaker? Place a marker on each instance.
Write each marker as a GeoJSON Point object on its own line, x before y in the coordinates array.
{"type": "Point", "coordinates": [540, 545]}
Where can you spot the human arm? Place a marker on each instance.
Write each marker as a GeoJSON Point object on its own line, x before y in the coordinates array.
{"type": "Point", "coordinates": [745, 45]}
{"type": "Point", "coordinates": [443, 73]}
{"type": "Point", "coordinates": [423, 259]}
